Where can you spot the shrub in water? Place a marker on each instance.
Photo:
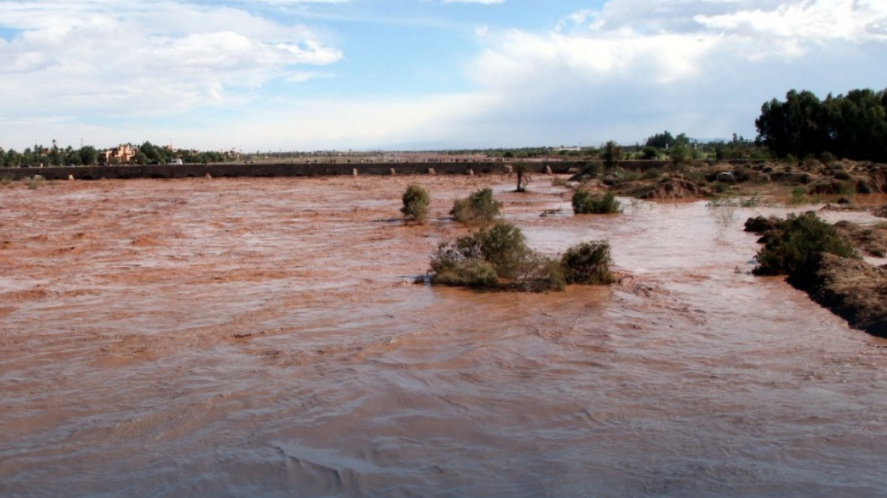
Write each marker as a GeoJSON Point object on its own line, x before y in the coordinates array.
{"type": "Point", "coordinates": [478, 208]}
{"type": "Point", "coordinates": [587, 263]}
{"type": "Point", "coordinates": [498, 257]}
{"type": "Point", "coordinates": [796, 242]}
{"type": "Point", "coordinates": [467, 273]}
{"type": "Point", "coordinates": [585, 203]}
{"type": "Point", "coordinates": [415, 204]}
{"type": "Point", "coordinates": [494, 257]}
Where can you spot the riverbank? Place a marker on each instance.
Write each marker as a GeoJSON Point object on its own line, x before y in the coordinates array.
{"type": "Point", "coordinates": [852, 289]}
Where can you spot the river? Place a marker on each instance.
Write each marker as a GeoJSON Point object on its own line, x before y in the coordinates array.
{"type": "Point", "coordinates": [263, 338]}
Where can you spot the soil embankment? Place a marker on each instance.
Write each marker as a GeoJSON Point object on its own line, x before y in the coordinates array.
{"type": "Point", "coordinates": [852, 289]}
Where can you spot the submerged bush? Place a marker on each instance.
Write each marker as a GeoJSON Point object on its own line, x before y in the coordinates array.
{"type": "Point", "coordinates": [467, 273]}
{"type": "Point", "coordinates": [415, 204]}
{"type": "Point", "coordinates": [587, 263]}
{"type": "Point", "coordinates": [585, 203]}
{"type": "Point", "coordinates": [794, 244]}
{"type": "Point", "coordinates": [478, 208]}
{"type": "Point", "coordinates": [499, 258]}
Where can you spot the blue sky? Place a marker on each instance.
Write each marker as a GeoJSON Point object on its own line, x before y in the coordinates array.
{"type": "Point", "coordinates": [418, 74]}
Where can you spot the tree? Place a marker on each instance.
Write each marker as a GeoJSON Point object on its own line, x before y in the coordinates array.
{"type": "Point", "coordinates": [523, 171]}
{"type": "Point", "coordinates": [612, 153]}
{"type": "Point", "coordinates": [479, 208]}
{"type": "Point", "coordinates": [585, 203]}
{"type": "Point", "coordinates": [415, 204]}
{"type": "Point", "coordinates": [89, 156]}
{"type": "Point", "coordinates": [852, 126]}
{"type": "Point", "coordinates": [662, 140]}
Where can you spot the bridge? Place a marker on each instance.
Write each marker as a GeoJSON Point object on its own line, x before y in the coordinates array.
{"type": "Point", "coordinates": [291, 169]}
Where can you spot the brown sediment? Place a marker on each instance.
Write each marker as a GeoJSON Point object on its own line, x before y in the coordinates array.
{"type": "Point", "coordinates": [871, 240]}
{"type": "Point", "coordinates": [669, 188]}
{"type": "Point", "coordinates": [852, 289]}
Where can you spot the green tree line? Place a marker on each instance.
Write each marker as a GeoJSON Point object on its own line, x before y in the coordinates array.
{"type": "Point", "coordinates": [852, 126]}
{"type": "Point", "coordinates": [88, 155]}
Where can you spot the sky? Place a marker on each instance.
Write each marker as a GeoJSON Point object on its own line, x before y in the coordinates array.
{"type": "Point", "coordinates": [285, 75]}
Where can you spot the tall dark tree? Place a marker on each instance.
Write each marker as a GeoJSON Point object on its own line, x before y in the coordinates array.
{"type": "Point", "coordinates": [89, 156]}
{"type": "Point", "coordinates": [852, 126]}
{"type": "Point", "coordinates": [662, 140]}
{"type": "Point", "coordinates": [611, 153]}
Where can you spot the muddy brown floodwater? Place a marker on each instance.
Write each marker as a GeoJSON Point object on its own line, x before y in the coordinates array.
{"type": "Point", "coordinates": [260, 338]}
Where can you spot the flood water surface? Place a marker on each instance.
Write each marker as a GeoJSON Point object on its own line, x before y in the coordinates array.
{"type": "Point", "coordinates": [263, 337]}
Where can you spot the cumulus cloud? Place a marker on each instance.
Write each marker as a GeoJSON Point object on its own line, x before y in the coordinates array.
{"type": "Point", "coordinates": [692, 62]}
{"type": "Point", "coordinates": [136, 58]}
{"type": "Point", "coordinates": [624, 70]}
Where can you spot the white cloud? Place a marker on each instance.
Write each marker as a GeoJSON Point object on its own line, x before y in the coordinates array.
{"type": "Point", "coordinates": [135, 58]}
{"type": "Point", "coordinates": [201, 74]}
{"type": "Point", "coordinates": [689, 61]}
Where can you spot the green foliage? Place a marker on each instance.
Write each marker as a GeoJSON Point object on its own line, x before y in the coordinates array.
{"type": "Point", "coordinates": [611, 153]}
{"type": "Point", "coordinates": [852, 126]}
{"type": "Point", "coordinates": [478, 208]}
{"type": "Point", "coordinates": [593, 169]}
{"type": "Point", "coordinates": [585, 203]}
{"type": "Point", "coordinates": [842, 175]}
{"type": "Point", "coordinates": [498, 258]}
{"type": "Point", "coordinates": [587, 263]}
{"type": "Point", "coordinates": [662, 140]}
{"type": "Point", "coordinates": [681, 154]}
{"type": "Point", "coordinates": [415, 204]}
{"type": "Point", "coordinates": [650, 153]}
{"type": "Point", "coordinates": [474, 273]}
{"type": "Point", "coordinates": [483, 258]}
{"type": "Point", "coordinates": [791, 249]}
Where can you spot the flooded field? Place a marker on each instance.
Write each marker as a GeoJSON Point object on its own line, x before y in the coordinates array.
{"type": "Point", "coordinates": [262, 338]}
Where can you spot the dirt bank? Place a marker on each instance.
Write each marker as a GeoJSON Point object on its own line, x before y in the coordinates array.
{"type": "Point", "coordinates": [852, 289]}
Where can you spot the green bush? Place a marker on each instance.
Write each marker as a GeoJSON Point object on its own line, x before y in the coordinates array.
{"type": "Point", "coordinates": [593, 169]}
{"type": "Point", "coordinates": [415, 204]}
{"type": "Point", "coordinates": [842, 175]}
{"type": "Point", "coordinates": [498, 258]}
{"type": "Point", "coordinates": [485, 259]}
{"type": "Point", "coordinates": [792, 247]}
{"type": "Point", "coordinates": [585, 203]}
{"type": "Point", "coordinates": [587, 263]}
{"type": "Point", "coordinates": [479, 208]}
{"type": "Point", "coordinates": [467, 273]}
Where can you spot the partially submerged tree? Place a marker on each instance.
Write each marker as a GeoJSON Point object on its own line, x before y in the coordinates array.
{"type": "Point", "coordinates": [585, 203]}
{"type": "Point", "coordinates": [522, 170]}
{"type": "Point", "coordinates": [479, 208]}
{"type": "Point", "coordinates": [416, 201]}
{"type": "Point", "coordinates": [588, 263]}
